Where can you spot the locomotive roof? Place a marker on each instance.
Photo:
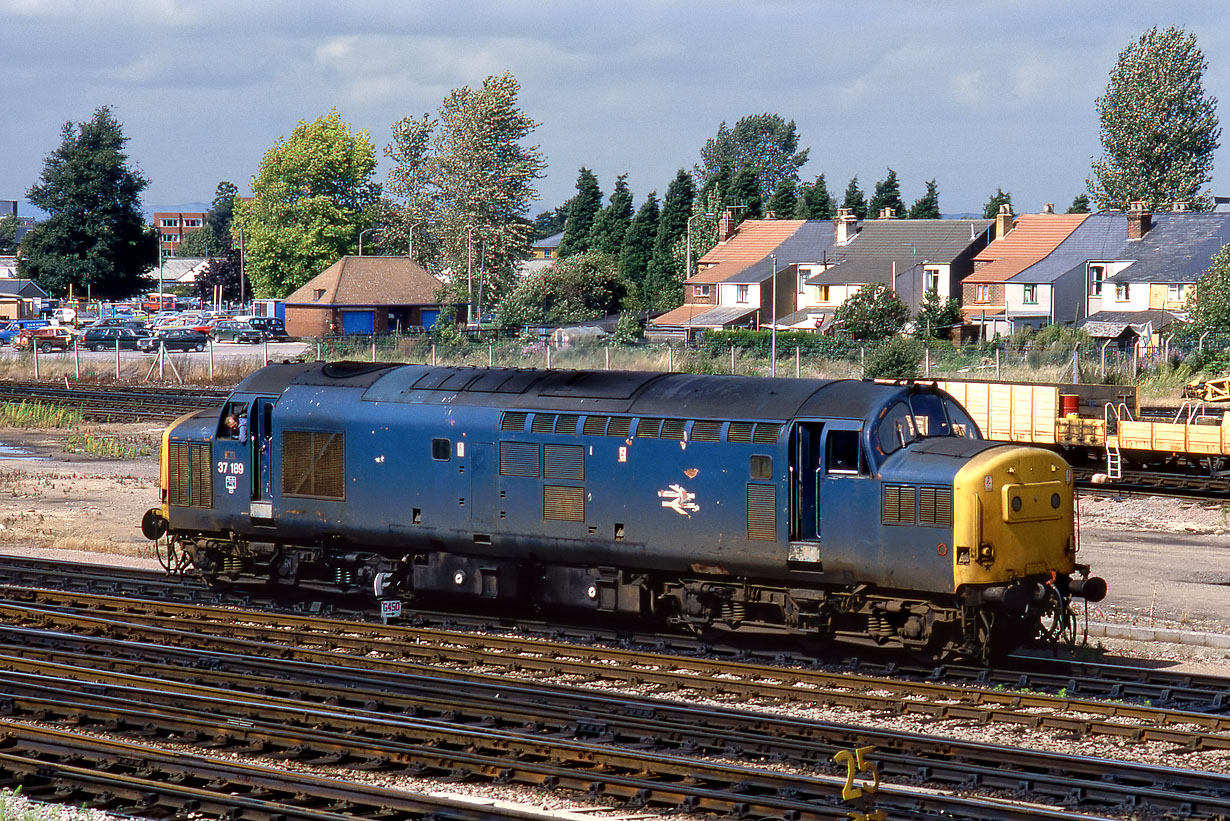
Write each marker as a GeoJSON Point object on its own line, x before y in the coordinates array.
{"type": "Point", "coordinates": [626, 392]}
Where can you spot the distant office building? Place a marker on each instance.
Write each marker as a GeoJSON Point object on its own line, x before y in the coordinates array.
{"type": "Point", "coordinates": [8, 208]}
{"type": "Point", "coordinates": [173, 225]}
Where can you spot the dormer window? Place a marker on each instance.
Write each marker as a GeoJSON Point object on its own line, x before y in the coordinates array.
{"type": "Point", "coordinates": [319, 295]}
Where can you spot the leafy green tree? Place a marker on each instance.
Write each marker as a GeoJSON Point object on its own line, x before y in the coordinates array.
{"type": "Point", "coordinates": [628, 331]}
{"type": "Point", "coordinates": [199, 243]}
{"type": "Point", "coordinates": [578, 288]}
{"type": "Point", "coordinates": [784, 200]}
{"type": "Point", "coordinates": [664, 272]}
{"type": "Point", "coordinates": [550, 223]}
{"type": "Point", "coordinates": [1159, 128]}
{"type": "Point", "coordinates": [637, 248]}
{"type": "Point", "coordinates": [313, 195]}
{"type": "Point", "coordinates": [766, 143]}
{"type": "Point", "coordinates": [219, 217]}
{"type": "Point", "coordinates": [855, 200]}
{"type": "Point", "coordinates": [936, 316]}
{"type": "Point", "coordinates": [927, 207]}
{"type": "Point", "coordinates": [873, 313]}
{"type": "Point", "coordinates": [745, 191]}
{"type": "Point", "coordinates": [8, 234]}
{"type": "Point", "coordinates": [466, 180]}
{"type": "Point", "coordinates": [1000, 197]}
{"type": "Point", "coordinates": [584, 209]}
{"type": "Point", "coordinates": [887, 194]}
{"type": "Point", "coordinates": [816, 203]}
{"type": "Point", "coordinates": [898, 358]}
{"type": "Point", "coordinates": [1080, 204]}
{"type": "Point", "coordinates": [94, 239]}
{"type": "Point", "coordinates": [611, 223]}
{"type": "Point", "coordinates": [1209, 307]}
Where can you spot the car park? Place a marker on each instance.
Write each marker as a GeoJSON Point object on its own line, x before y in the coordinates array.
{"type": "Point", "coordinates": [106, 338]}
{"type": "Point", "coordinates": [273, 328]}
{"type": "Point", "coordinates": [232, 330]}
{"type": "Point", "coordinates": [174, 339]}
{"type": "Point", "coordinates": [9, 331]}
{"type": "Point", "coordinates": [46, 339]}
{"type": "Point", "coordinates": [118, 322]}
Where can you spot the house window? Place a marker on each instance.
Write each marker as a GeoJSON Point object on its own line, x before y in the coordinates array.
{"type": "Point", "coordinates": [982, 293]}
{"type": "Point", "coordinates": [700, 290]}
{"type": "Point", "coordinates": [1175, 293]}
{"type": "Point", "coordinates": [931, 277]}
{"type": "Point", "coordinates": [1121, 292]}
{"type": "Point", "coordinates": [822, 293]}
{"type": "Point", "coordinates": [741, 294]}
{"type": "Point", "coordinates": [192, 223]}
{"type": "Point", "coordinates": [170, 237]}
{"type": "Point", "coordinates": [1031, 295]}
{"type": "Point", "coordinates": [170, 223]}
{"type": "Point", "coordinates": [547, 252]}
{"type": "Point", "coordinates": [1096, 274]}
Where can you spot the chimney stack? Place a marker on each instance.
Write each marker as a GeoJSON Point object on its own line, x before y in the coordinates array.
{"type": "Point", "coordinates": [727, 225]}
{"type": "Point", "coordinates": [1003, 221]}
{"type": "Point", "coordinates": [1049, 208]}
{"type": "Point", "coordinates": [887, 213]}
{"type": "Point", "coordinates": [1140, 220]}
{"type": "Point", "coordinates": [844, 225]}
{"type": "Point", "coordinates": [1180, 205]}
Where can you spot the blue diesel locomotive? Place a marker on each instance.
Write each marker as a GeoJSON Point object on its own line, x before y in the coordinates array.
{"type": "Point", "coordinates": [827, 508]}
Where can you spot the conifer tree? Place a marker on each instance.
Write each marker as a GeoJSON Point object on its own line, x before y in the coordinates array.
{"type": "Point", "coordinates": [1000, 197]}
{"type": "Point", "coordinates": [663, 272]}
{"type": "Point", "coordinates": [927, 207]}
{"type": "Point", "coordinates": [784, 200]}
{"type": "Point", "coordinates": [582, 212]}
{"type": "Point", "coordinates": [611, 223]}
{"type": "Point", "coordinates": [816, 203]}
{"type": "Point", "coordinates": [936, 316]}
{"type": "Point", "coordinates": [1080, 204]}
{"type": "Point", "coordinates": [745, 191]}
{"type": "Point", "coordinates": [887, 194]}
{"type": "Point", "coordinates": [94, 239]}
{"type": "Point", "coordinates": [638, 246]}
{"type": "Point", "coordinates": [855, 200]}
{"type": "Point", "coordinates": [1159, 128]}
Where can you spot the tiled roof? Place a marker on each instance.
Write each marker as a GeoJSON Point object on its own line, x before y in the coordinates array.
{"type": "Point", "coordinates": [1100, 237]}
{"type": "Point", "coordinates": [552, 241]}
{"type": "Point", "coordinates": [369, 281]}
{"type": "Point", "coordinates": [707, 316]}
{"type": "Point", "coordinates": [871, 255]}
{"type": "Point", "coordinates": [1177, 248]}
{"type": "Point", "coordinates": [753, 241]}
{"type": "Point", "coordinates": [812, 242]}
{"type": "Point", "coordinates": [1034, 237]}
{"type": "Point", "coordinates": [681, 315]}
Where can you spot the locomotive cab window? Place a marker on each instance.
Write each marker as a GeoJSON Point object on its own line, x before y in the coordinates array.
{"type": "Point", "coordinates": [896, 428]}
{"type": "Point", "coordinates": [233, 424]}
{"type": "Point", "coordinates": [960, 421]}
{"type": "Point", "coordinates": [929, 416]}
{"type": "Point", "coordinates": [841, 452]}
{"type": "Point", "coordinates": [441, 449]}
{"type": "Point", "coordinates": [761, 467]}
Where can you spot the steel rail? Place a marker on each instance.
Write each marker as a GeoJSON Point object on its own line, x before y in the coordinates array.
{"type": "Point", "coordinates": [165, 676]}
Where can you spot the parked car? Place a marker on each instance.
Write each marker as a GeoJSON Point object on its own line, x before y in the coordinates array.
{"type": "Point", "coordinates": [119, 322]}
{"type": "Point", "coordinates": [272, 327]}
{"type": "Point", "coordinates": [175, 339]}
{"type": "Point", "coordinates": [10, 330]}
{"type": "Point", "coordinates": [46, 339]}
{"type": "Point", "coordinates": [105, 338]}
{"type": "Point", "coordinates": [232, 330]}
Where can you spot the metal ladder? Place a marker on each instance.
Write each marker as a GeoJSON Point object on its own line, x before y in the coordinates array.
{"type": "Point", "coordinates": [1114, 459]}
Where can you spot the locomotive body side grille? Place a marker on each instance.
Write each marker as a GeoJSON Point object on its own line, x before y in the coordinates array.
{"type": "Point", "coordinates": [935, 506]}
{"type": "Point", "coordinates": [761, 512]}
{"type": "Point", "coordinates": [739, 432]}
{"type": "Point", "coordinates": [673, 429]}
{"type": "Point", "coordinates": [564, 462]}
{"type": "Point", "coordinates": [620, 425]}
{"type": "Point", "coordinates": [563, 503]}
{"type": "Point", "coordinates": [766, 433]}
{"type": "Point", "coordinates": [313, 464]}
{"type": "Point", "coordinates": [513, 420]}
{"type": "Point", "coordinates": [543, 423]}
{"type": "Point", "coordinates": [567, 423]}
{"type": "Point", "coordinates": [519, 459]}
{"type": "Point", "coordinates": [707, 431]}
{"type": "Point", "coordinates": [649, 429]}
{"type": "Point", "coordinates": [595, 425]}
{"type": "Point", "coordinates": [189, 479]}
{"type": "Point", "coordinates": [898, 505]}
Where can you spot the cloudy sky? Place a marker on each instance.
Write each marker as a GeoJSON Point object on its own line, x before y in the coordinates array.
{"type": "Point", "coordinates": [974, 94]}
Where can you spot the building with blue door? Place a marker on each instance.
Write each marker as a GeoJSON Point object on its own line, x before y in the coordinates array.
{"type": "Point", "coordinates": [364, 295]}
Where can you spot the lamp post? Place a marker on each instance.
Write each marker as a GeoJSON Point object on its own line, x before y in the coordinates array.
{"type": "Point", "coordinates": [773, 327]}
{"type": "Point", "coordinates": [469, 276]}
{"type": "Point", "coordinates": [366, 231]}
{"type": "Point", "coordinates": [410, 248]}
{"type": "Point", "coordinates": [687, 272]}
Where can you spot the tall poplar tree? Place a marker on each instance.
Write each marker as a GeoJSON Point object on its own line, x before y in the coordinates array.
{"type": "Point", "coordinates": [582, 212]}
{"type": "Point", "coordinates": [611, 223]}
{"type": "Point", "coordinates": [816, 203]}
{"type": "Point", "coordinates": [664, 273]}
{"type": "Point", "coordinates": [637, 249]}
{"type": "Point", "coordinates": [313, 194]}
{"type": "Point", "coordinates": [467, 180]}
{"type": "Point", "coordinates": [1159, 128]}
{"type": "Point", "coordinates": [94, 240]}
{"type": "Point", "coordinates": [855, 200]}
{"type": "Point", "coordinates": [765, 143]}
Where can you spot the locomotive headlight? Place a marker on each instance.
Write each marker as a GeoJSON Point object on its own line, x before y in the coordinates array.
{"type": "Point", "coordinates": [1056, 501]}
{"type": "Point", "coordinates": [1016, 504]}
{"type": "Point", "coordinates": [459, 577]}
{"type": "Point", "coordinates": [986, 554]}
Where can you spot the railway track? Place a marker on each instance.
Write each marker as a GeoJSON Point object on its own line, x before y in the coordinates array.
{"type": "Point", "coordinates": [393, 715]}
{"type": "Point", "coordinates": [109, 403]}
